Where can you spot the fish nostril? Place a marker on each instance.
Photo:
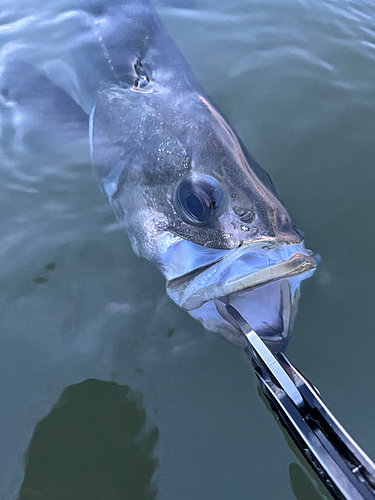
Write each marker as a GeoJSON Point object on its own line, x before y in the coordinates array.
{"type": "Point", "coordinates": [248, 217]}
{"type": "Point", "coordinates": [240, 211]}
{"type": "Point", "coordinates": [142, 79]}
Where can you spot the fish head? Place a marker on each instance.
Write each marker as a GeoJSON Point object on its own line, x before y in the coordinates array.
{"type": "Point", "coordinates": [195, 203]}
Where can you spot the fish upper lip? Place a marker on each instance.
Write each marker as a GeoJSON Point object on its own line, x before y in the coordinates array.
{"type": "Point", "coordinates": [186, 278]}
{"type": "Point", "coordinates": [296, 265]}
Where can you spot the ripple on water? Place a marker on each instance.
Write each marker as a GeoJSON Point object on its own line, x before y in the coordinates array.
{"type": "Point", "coordinates": [295, 79]}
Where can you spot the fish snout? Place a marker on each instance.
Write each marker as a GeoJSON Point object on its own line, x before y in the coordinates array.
{"type": "Point", "coordinates": [270, 221]}
{"type": "Point", "coordinates": [282, 227]}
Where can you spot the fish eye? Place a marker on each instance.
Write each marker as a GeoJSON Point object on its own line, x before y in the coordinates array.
{"type": "Point", "coordinates": [197, 199]}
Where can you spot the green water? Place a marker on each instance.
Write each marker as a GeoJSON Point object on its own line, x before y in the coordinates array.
{"type": "Point", "coordinates": [108, 391]}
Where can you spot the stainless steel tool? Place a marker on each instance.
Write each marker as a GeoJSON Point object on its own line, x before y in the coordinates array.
{"type": "Point", "coordinates": [343, 467]}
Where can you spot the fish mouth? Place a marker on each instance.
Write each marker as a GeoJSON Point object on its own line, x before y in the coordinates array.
{"type": "Point", "coordinates": [267, 263]}
{"type": "Point", "coordinates": [295, 266]}
{"type": "Point", "coordinates": [261, 280]}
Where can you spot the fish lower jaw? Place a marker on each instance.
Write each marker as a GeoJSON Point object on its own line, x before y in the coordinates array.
{"type": "Point", "coordinates": [270, 310]}
{"type": "Point", "coordinates": [261, 283]}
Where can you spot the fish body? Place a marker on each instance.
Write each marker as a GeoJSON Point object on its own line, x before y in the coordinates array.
{"type": "Point", "coordinates": [179, 179]}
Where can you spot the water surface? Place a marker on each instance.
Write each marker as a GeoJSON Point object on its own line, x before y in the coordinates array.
{"type": "Point", "coordinates": [296, 80]}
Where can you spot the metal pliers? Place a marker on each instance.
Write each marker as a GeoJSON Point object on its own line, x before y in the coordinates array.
{"type": "Point", "coordinates": [343, 467]}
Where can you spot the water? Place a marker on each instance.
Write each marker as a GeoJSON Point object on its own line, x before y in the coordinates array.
{"type": "Point", "coordinates": [296, 80]}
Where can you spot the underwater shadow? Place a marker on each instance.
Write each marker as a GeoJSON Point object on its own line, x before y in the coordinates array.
{"type": "Point", "coordinates": [92, 445]}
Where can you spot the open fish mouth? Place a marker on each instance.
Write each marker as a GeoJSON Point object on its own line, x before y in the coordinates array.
{"type": "Point", "coordinates": [295, 266]}
{"type": "Point", "coordinates": [246, 268]}
{"type": "Point", "coordinates": [261, 280]}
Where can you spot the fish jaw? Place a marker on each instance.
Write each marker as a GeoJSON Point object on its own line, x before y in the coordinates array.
{"type": "Point", "coordinates": [270, 310]}
{"type": "Point", "coordinates": [261, 281]}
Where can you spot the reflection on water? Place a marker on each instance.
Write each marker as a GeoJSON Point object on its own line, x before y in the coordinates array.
{"type": "Point", "coordinates": [295, 79]}
{"type": "Point", "coordinates": [93, 444]}
{"type": "Point", "coordinates": [304, 482]}
{"type": "Point", "coordinates": [302, 485]}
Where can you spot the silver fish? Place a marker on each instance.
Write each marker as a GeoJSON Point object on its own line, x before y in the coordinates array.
{"type": "Point", "coordinates": [179, 179]}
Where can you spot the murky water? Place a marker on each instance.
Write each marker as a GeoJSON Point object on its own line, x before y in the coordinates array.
{"type": "Point", "coordinates": [296, 80]}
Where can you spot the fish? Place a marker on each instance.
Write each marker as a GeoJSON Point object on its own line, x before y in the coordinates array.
{"type": "Point", "coordinates": [179, 179]}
